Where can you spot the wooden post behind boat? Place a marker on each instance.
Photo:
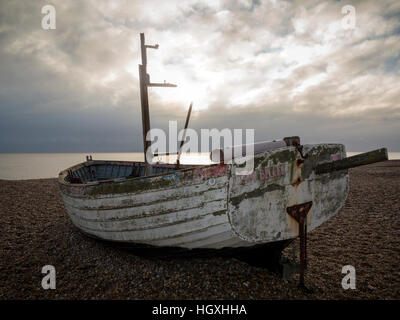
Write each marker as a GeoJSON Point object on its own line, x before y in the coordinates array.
{"type": "Point", "coordinates": [144, 80]}
{"type": "Point", "coordinates": [184, 136]}
{"type": "Point", "coordinates": [354, 161]}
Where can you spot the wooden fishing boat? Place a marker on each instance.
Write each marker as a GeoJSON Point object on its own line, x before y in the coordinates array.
{"type": "Point", "coordinates": [208, 206]}
{"type": "Point", "coordinates": [293, 189]}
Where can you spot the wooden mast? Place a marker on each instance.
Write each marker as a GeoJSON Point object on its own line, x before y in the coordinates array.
{"type": "Point", "coordinates": [144, 80]}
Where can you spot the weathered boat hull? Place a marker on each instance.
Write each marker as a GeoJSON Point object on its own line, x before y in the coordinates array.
{"type": "Point", "coordinates": [258, 202]}
{"type": "Point", "coordinates": [209, 206]}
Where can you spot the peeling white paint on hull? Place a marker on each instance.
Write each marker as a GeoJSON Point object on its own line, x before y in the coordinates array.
{"type": "Point", "coordinates": [207, 206]}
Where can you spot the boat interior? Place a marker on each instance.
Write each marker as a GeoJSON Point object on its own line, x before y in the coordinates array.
{"type": "Point", "coordinates": [98, 170]}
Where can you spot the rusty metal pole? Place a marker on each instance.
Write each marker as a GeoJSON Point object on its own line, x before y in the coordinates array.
{"type": "Point", "coordinates": [299, 213]}
{"type": "Point", "coordinates": [302, 251]}
{"type": "Point", "coordinates": [305, 244]}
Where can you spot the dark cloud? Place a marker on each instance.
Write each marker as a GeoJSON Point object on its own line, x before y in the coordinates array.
{"type": "Point", "coordinates": [281, 67]}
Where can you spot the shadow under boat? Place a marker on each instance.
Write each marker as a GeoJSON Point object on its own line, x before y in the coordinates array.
{"type": "Point", "coordinates": [264, 255]}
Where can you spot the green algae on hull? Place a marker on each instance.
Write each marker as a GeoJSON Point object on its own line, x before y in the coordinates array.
{"type": "Point", "coordinates": [129, 186]}
{"type": "Point", "coordinates": [278, 157]}
{"type": "Point", "coordinates": [256, 193]}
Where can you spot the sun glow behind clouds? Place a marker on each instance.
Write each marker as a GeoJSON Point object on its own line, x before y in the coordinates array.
{"type": "Point", "coordinates": [187, 90]}
{"type": "Point", "coordinates": [109, 78]}
{"type": "Point", "coordinates": [231, 73]}
{"type": "Point", "coordinates": [183, 94]}
{"type": "Point", "coordinates": [233, 54]}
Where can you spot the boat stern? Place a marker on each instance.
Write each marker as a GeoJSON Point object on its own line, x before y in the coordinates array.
{"type": "Point", "coordinates": [259, 202]}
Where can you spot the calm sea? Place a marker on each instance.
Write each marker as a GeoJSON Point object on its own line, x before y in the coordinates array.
{"type": "Point", "coordinates": [17, 166]}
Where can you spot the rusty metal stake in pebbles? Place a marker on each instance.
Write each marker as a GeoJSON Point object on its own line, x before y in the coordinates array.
{"type": "Point", "coordinates": [299, 213]}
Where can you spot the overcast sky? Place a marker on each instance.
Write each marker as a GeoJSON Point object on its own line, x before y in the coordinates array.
{"type": "Point", "coordinates": [281, 67]}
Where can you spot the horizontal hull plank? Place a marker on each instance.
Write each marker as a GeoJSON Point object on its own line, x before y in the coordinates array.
{"type": "Point", "coordinates": [161, 219]}
{"type": "Point", "coordinates": [217, 241]}
{"type": "Point", "coordinates": [151, 209]}
{"type": "Point", "coordinates": [148, 236]}
{"type": "Point", "coordinates": [139, 199]}
{"type": "Point", "coordinates": [186, 238]}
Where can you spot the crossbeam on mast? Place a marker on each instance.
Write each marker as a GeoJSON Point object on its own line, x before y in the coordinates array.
{"type": "Point", "coordinates": [165, 84]}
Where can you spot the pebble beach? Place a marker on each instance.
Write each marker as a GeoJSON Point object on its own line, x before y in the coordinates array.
{"type": "Point", "coordinates": [35, 230]}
